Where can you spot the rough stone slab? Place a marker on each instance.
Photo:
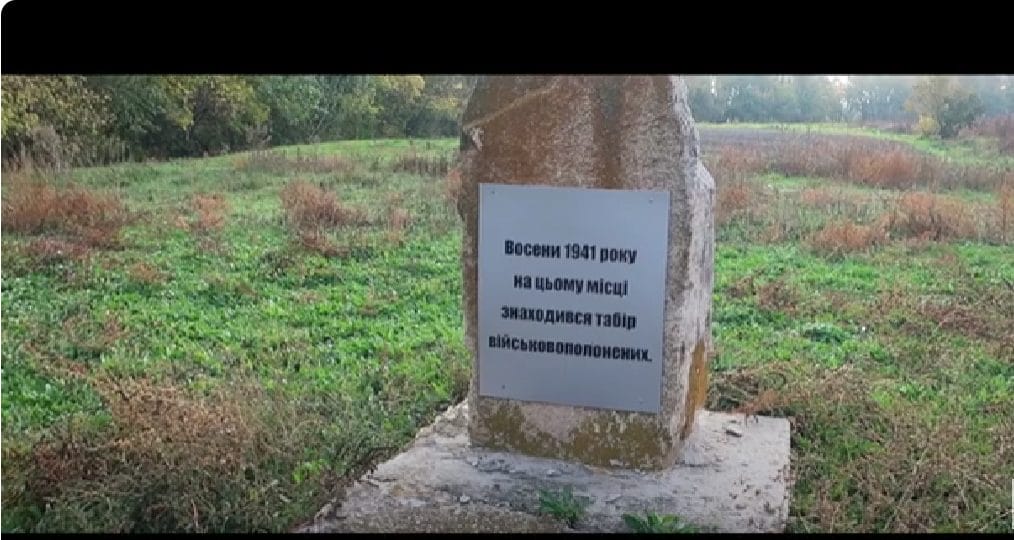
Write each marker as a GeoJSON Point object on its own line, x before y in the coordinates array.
{"type": "Point", "coordinates": [443, 484]}
{"type": "Point", "coordinates": [603, 132]}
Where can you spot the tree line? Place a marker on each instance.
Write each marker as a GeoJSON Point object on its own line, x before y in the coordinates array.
{"type": "Point", "coordinates": [81, 120]}
{"type": "Point", "coordinates": [933, 105]}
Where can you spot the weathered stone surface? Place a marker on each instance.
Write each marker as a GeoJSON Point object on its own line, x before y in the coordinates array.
{"type": "Point", "coordinates": [474, 518]}
{"type": "Point", "coordinates": [733, 484]}
{"type": "Point", "coordinates": [610, 133]}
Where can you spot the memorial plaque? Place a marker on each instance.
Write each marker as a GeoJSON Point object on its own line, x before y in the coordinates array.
{"type": "Point", "coordinates": [571, 295]}
{"type": "Point", "coordinates": [555, 171]}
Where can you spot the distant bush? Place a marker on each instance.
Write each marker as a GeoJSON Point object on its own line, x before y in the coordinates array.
{"type": "Point", "coordinates": [308, 206]}
{"type": "Point", "coordinates": [1000, 128]}
{"type": "Point", "coordinates": [944, 108]}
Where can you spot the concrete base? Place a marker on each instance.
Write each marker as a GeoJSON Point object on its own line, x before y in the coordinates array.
{"type": "Point", "coordinates": [733, 477]}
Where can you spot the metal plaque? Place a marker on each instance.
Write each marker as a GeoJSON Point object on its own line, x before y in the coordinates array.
{"type": "Point", "coordinates": [571, 295]}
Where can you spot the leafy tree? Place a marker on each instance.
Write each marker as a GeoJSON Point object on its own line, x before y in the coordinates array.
{"type": "Point", "coordinates": [780, 98]}
{"type": "Point", "coordinates": [873, 98]}
{"type": "Point", "coordinates": [759, 99]}
{"type": "Point", "coordinates": [397, 99]}
{"type": "Point", "coordinates": [815, 99]}
{"type": "Point", "coordinates": [440, 106]}
{"type": "Point", "coordinates": [146, 110]}
{"type": "Point", "coordinates": [183, 115]}
{"type": "Point", "coordinates": [291, 102]}
{"type": "Point", "coordinates": [745, 99]}
{"type": "Point", "coordinates": [347, 108]}
{"type": "Point", "coordinates": [226, 115]}
{"type": "Point", "coordinates": [52, 120]}
{"type": "Point", "coordinates": [704, 102]}
{"type": "Point", "coordinates": [943, 106]}
{"type": "Point", "coordinates": [995, 92]}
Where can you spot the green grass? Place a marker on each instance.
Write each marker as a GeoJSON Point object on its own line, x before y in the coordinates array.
{"type": "Point", "coordinates": [876, 384]}
{"type": "Point", "coordinates": [380, 328]}
{"type": "Point", "coordinates": [896, 365]}
{"type": "Point", "coordinates": [563, 505]}
{"type": "Point", "coordinates": [656, 524]}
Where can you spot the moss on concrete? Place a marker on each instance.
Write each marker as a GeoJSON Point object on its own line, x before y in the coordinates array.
{"type": "Point", "coordinates": [602, 439]}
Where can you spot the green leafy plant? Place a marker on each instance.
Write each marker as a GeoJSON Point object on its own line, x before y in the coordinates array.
{"type": "Point", "coordinates": [654, 523]}
{"type": "Point", "coordinates": [563, 505]}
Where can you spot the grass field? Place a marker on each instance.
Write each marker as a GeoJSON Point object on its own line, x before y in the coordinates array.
{"type": "Point", "coordinates": [970, 149]}
{"type": "Point", "coordinates": [217, 344]}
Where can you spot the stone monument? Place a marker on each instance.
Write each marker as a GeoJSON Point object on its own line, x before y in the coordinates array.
{"type": "Point", "coordinates": [587, 260]}
{"type": "Point", "coordinates": [610, 133]}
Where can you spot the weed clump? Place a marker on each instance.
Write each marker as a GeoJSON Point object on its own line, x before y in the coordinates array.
{"type": "Point", "coordinates": [310, 212]}
{"type": "Point", "coordinates": [81, 216]}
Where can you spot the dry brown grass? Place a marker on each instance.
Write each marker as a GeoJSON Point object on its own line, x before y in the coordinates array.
{"type": "Point", "coordinates": [278, 162]}
{"type": "Point", "coordinates": [871, 467]}
{"type": "Point", "coordinates": [210, 212]}
{"type": "Point", "coordinates": [398, 223]}
{"type": "Point", "coordinates": [146, 274]}
{"type": "Point", "coordinates": [165, 448]}
{"type": "Point", "coordinates": [730, 163]}
{"type": "Point", "coordinates": [1000, 128]}
{"type": "Point", "coordinates": [452, 186]}
{"type": "Point", "coordinates": [838, 219]}
{"type": "Point", "coordinates": [422, 165]}
{"type": "Point", "coordinates": [743, 287]}
{"type": "Point", "coordinates": [399, 220]}
{"type": "Point", "coordinates": [777, 295]}
{"type": "Point", "coordinates": [29, 206]}
{"type": "Point", "coordinates": [974, 309]}
{"type": "Point", "coordinates": [842, 237]}
{"type": "Point", "coordinates": [850, 220]}
{"type": "Point", "coordinates": [1006, 208]}
{"type": "Point", "coordinates": [931, 216]}
{"type": "Point", "coordinates": [766, 401]}
{"type": "Point", "coordinates": [86, 217]}
{"type": "Point", "coordinates": [317, 241]}
{"type": "Point", "coordinates": [209, 436]}
{"type": "Point", "coordinates": [46, 252]}
{"type": "Point", "coordinates": [822, 198]}
{"type": "Point", "coordinates": [885, 169]}
{"type": "Point", "coordinates": [179, 460]}
{"type": "Point", "coordinates": [158, 425]}
{"type": "Point", "coordinates": [838, 201]}
{"type": "Point", "coordinates": [917, 476]}
{"type": "Point", "coordinates": [732, 155]}
{"type": "Point", "coordinates": [311, 211]}
{"type": "Point", "coordinates": [736, 199]}
{"type": "Point", "coordinates": [207, 217]}
{"type": "Point", "coordinates": [309, 206]}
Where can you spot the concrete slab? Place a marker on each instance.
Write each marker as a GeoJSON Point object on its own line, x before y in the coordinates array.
{"type": "Point", "coordinates": [733, 476]}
